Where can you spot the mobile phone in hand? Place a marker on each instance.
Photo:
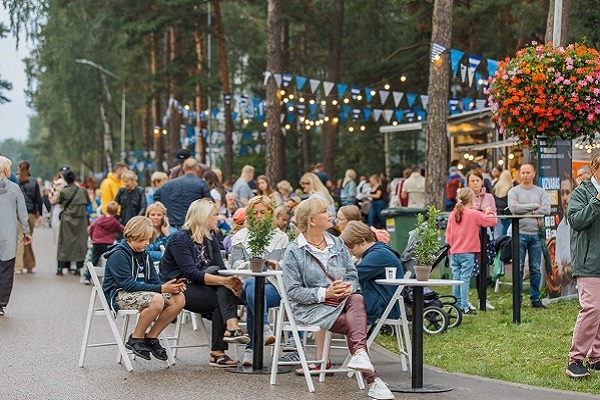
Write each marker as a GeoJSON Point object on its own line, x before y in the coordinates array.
{"type": "Point", "coordinates": [164, 221]}
{"type": "Point", "coordinates": [181, 280]}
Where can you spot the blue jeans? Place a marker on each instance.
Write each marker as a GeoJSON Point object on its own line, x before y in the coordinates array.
{"type": "Point", "coordinates": [462, 266]}
{"type": "Point", "coordinates": [533, 245]}
{"type": "Point", "coordinates": [375, 213]}
{"type": "Point", "coordinates": [272, 299]}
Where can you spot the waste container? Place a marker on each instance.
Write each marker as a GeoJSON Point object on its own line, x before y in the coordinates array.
{"type": "Point", "coordinates": [399, 222]}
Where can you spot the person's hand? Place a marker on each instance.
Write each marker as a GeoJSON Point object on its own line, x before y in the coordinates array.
{"type": "Point", "coordinates": [27, 239]}
{"type": "Point", "coordinates": [173, 287]}
{"type": "Point", "coordinates": [234, 284]}
{"type": "Point", "coordinates": [40, 220]}
{"type": "Point", "coordinates": [339, 290]}
{"type": "Point", "coordinates": [271, 265]}
{"type": "Point", "coordinates": [164, 227]}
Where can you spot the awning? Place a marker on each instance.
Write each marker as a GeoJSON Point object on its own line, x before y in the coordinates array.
{"type": "Point", "coordinates": [484, 146]}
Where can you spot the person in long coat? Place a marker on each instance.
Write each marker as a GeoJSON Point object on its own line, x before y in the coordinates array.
{"type": "Point", "coordinates": [72, 236]}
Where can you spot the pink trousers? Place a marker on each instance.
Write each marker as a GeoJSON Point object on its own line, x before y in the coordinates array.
{"type": "Point", "coordinates": [352, 322]}
{"type": "Point", "coordinates": [586, 335]}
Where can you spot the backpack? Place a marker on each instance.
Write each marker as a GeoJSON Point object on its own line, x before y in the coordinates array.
{"type": "Point", "coordinates": [452, 186]}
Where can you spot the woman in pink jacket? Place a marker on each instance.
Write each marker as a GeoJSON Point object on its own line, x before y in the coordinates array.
{"type": "Point", "coordinates": [462, 234]}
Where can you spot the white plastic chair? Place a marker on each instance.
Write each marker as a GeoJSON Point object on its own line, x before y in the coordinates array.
{"type": "Point", "coordinates": [286, 323]}
{"type": "Point", "coordinates": [105, 311]}
{"type": "Point", "coordinates": [197, 324]}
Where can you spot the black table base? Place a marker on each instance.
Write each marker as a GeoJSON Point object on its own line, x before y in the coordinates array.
{"type": "Point", "coordinates": [427, 388]}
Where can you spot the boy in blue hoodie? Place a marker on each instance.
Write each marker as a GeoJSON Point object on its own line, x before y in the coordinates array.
{"type": "Point", "coordinates": [132, 283]}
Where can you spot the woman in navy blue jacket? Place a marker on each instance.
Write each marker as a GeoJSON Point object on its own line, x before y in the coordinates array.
{"type": "Point", "coordinates": [376, 257]}
{"type": "Point", "coordinates": [195, 254]}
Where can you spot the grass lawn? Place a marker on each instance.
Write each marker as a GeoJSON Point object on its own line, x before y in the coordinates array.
{"type": "Point", "coordinates": [489, 344]}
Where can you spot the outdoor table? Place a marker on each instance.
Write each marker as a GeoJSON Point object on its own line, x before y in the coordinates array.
{"type": "Point", "coordinates": [516, 261]}
{"type": "Point", "coordinates": [259, 306]}
{"type": "Point", "coordinates": [417, 385]}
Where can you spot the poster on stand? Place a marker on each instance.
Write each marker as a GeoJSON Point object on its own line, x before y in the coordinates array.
{"type": "Point", "coordinates": [555, 176]}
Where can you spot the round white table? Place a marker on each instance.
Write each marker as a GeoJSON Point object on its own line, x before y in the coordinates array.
{"type": "Point", "coordinates": [417, 385]}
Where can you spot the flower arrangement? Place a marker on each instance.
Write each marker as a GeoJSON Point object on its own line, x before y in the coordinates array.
{"type": "Point", "coordinates": [428, 244]}
{"type": "Point", "coordinates": [547, 91]}
{"type": "Point", "coordinates": [260, 232]}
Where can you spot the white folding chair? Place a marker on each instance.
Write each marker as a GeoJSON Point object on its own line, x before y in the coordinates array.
{"type": "Point", "coordinates": [197, 324]}
{"type": "Point", "coordinates": [286, 323]}
{"type": "Point", "coordinates": [105, 311]}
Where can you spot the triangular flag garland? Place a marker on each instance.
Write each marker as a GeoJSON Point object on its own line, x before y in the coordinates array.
{"type": "Point", "coordinates": [436, 51]}
{"type": "Point", "coordinates": [383, 95]}
{"type": "Point", "coordinates": [327, 86]}
{"type": "Point", "coordinates": [424, 101]}
{"type": "Point", "coordinates": [455, 57]}
{"type": "Point", "coordinates": [463, 72]}
{"type": "Point", "coordinates": [300, 81]}
{"type": "Point", "coordinates": [474, 62]}
{"type": "Point", "coordinates": [368, 94]}
{"type": "Point", "coordinates": [277, 79]}
{"type": "Point", "coordinates": [397, 97]}
{"type": "Point", "coordinates": [314, 85]}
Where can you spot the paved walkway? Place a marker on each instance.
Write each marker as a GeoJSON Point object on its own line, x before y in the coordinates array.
{"type": "Point", "coordinates": [41, 337]}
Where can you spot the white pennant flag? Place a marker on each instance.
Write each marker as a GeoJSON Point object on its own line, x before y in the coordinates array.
{"type": "Point", "coordinates": [323, 107]}
{"type": "Point", "coordinates": [383, 95]}
{"type": "Point", "coordinates": [397, 97]}
{"type": "Point", "coordinates": [314, 85]}
{"type": "Point", "coordinates": [387, 114]}
{"type": "Point", "coordinates": [281, 118]}
{"type": "Point", "coordinates": [463, 72]}
{"type": "Point", "coordinates": [436, 50]}
{"type": "Point", "coordinates": [277, 79]}
{"type": "Point", "coordinates": [376, 114]}
{"type": "Point", "coordinates": [424, 100]}
{"type": "Point", "coordinates": [267, 75]}
{"type": "Point", "coordinates": [327, 86]}
{"type": "Point", "coordinates": [480, 103]}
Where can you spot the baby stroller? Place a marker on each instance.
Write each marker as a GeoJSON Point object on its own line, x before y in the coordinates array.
{"type": "Point", "coordinates": [439, 311]}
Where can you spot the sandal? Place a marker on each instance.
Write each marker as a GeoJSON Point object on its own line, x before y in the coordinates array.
{"type": "Point", "coordinates": [235, 336]}
{"type": "Point", "coordinates": [138, 347]}
{"type": "Point", "coordinates": [314, 369]}
{"type": "Point", "coordinates": [221, 361]}
{"type": "Point", "coordinates": [156, 349]}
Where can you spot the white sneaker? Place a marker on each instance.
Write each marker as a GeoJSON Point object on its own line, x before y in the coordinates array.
{"type": "Point", "coordinates": [248, 355]}
{"type": "Point", "coordinates": [361, 362]}
{"type": "Point", "coordinates": [268, 336]}
{"type": "Point", "coordinates": [290, 345]}
{"type": "Point", "coordinates": [489, 305]}
{"type": "Point", "coordinates": [380, 391]}
{"type": "Point", "coordinates": [472, 307]}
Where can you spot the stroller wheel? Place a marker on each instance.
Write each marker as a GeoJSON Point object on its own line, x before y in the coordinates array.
{"type": "Point", "coordinates": [435, 320]}
{"type": "Point", "coordinates": [454, 315]}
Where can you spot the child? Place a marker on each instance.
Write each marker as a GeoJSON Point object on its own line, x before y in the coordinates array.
{"type": "Point", "coordinates": [103, 231]}
{"type": "Point", "coordinates": [131, 198]}
{"type": "Point", "coordinates": [462, 234]}
{"type": "Point", "coordinates": [131, 282]}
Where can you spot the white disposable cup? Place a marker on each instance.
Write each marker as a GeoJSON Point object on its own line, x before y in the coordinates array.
{"type": "Point", "coordinates": [390, 273]}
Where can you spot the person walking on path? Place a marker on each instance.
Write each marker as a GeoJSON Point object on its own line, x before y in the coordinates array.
{"type": "Point", "coordinates": [12, 203]}
{"type": "Point", "coordinates": [177, 194]}
{"type": "Point", "coordinates": [524, 199]}
{"type": "Point", "coordinates": [72, 234]}
{"type": "Point", "coordinates": [584, 220]}
{"type": "Point", "coordinates": [413, 189]}
{"type": "Point", "coordinates": [111, 185]}
{"type": "Point", "coordinates": [25, 260]}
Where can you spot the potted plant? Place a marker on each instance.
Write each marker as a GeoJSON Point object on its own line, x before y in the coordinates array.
{"type": "Point", "coordinates": [260, 232]}
{"type": "Point", "coordinates": [427, 245]}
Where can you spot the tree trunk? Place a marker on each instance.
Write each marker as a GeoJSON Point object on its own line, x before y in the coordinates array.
{"type": "Point", "coordinates": [201, 141]}
{"type": "Point", "coordinates": [436, 131]}
{"type": "Point", "coordinates": [173, 135]}
{"type": "Point", "coordinates": [330, 127]}
{"type": "Point", "coordinates": [273, 166]}
{"type": "Point", "coordinates": [107, 137]}
{"type": "Point", "coordinates": [566, 6]}
{"type": "Point", "coordinates": [224, 67]}
{"type": "Point", "coordinates": [155, 108]}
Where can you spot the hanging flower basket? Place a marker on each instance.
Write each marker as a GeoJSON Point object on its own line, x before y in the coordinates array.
{"type": "Point", "coordinates": [546, 91]}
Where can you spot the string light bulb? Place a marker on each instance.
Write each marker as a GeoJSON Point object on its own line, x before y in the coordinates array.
{"type": "Point", "coordinates": [403, 78]}
{"type": "Point", "coordinates": [301, 99]}
{"type": "Point", "coordinates": [511, 156]}
{"type": "Point", "coordinates": [265, 124]}
{"type": "Point", "coordinates": [312, 101]}
{"type": "Point", "coordinates": [335, 120]}
{"type": "Point", "coordinates": [282, 92]}
{"type": "Point", "coordinates": [500, 162]}
{"type": "Point", "coordinates": [187, 107]}
{"type": "Point", "coordinates": [323, 102]}
{"type": "Point", "coordinates": [351, 129]}
{"type": "Point", "coordinates": [334, 102]}
{"type": "Point", "coordinates": [359, 97]}
{"type": "Point", "coordinates": [386, 86]}
{"type": "Point", "coordinates": [362, 128]}
{"type": "Point", "coordinates": [287, 126]}
{"type": "Point", "coordinates": [346, 100]}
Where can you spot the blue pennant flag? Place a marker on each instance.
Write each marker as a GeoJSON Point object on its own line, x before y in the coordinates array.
{"type": "Point", "coordinates": [421, 114]}
{"type": "Point", "coordinates": [234, 115]}
{"type": "Point", "coordinates": [492, 66]}
{"type": "Point", "coordinates": [368, 95]}
{"type": "Point", "coordinates": [468, 104]}
{"type": "Point", "coordinates": [410, 98]}
{"type": "Point", "coordinates": [313, 108]}
{"type": "Point", "coordinates": [366, 114]}
{"type": "Point", "coordinates": [291, 117]}
{"type": "Point", "coordinates": [344, 114]}
{"type": "Point", "coordinates": [455, 56]}
{"type": "Point", "coordinates": [399, 114]}
{"type": "Point", "coordinates": [341, 89]}
{"type": "Point", "coordinates": [300, 81]}
{"type": "Point", "coordinates": [215, 112]}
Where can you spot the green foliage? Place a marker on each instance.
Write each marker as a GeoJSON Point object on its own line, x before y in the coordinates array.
{"type": "Point", "coordinates": [260, 232]}
{"type": "Point", "coordinates": [428, 244]}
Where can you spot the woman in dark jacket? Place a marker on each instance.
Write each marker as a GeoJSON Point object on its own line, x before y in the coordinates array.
{"type": "Point", "coordinates": [195, 254]}
{"type": "Point", "coordinates": [25, 260]}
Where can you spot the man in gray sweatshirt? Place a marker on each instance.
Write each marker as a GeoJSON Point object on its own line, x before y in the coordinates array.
{"type": "Point", "coordinates": [12, 204]}
{"type": "Point", "coordinates": [528, 199]}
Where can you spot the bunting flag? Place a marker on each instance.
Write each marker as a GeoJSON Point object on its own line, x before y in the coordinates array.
{"type": "Point", "coordinates": [355, 113]}
{"type": "Point", "coordinates": [277, 79]}
{"type": "Point", "coordinates": [425, 100]}
{"type": "Point", "coordinates": [341, 89]}
{"type": "Point", "coordinates": [474, 62]}
{"type": "Point", "coordinates": [387, 115]}
{"type": "Point", "coordinates": [410, 115]}
{"type": "Point", "coordinates": [287, 78]}
{"type": "Point", "coordinates": [314, 85]}
{"type": "Point", "coordinates": [397, 97]}
{"type": "Point", "coordinates": [300, 81]}
{"type": "Point", "coordinates": [436, 51]}
{"type": "Point", "coordinates": [455, 57]}
{"type": "Point", "coordinates": [492, 66]}
{"type": "Point", "coordinates": [344, 114]}
{"type": "Point", "coordinates": [281, 118]}
{"type": "Point", "coordinates": [227, 98]}
{"type": "Point", "coordinates": [366, 113]}
{"type": "Point", "coordinates": [368, 94]}
{"type": "Point", "coordinates": [313, 108]}
{"type": "Point", "coordinates": [467, 103]}
{"type": "Point", "coordinates": [421, 114]}
{"type": "Point", "coordinates": [267, 76]}
{"type": "Point", "coordinates": [478, 80]}
{"type": "Point", "coordinates": [463, 72]}
{"type": "Point", "coordinates": [453, 104]}
{"type": "Point", "coordinates": [383, 95]}
{"type": "Point", "coordinates": [301, 107]}
{"type": "Point", "coordinates": [327, 86]}
{"type": "Point", "coordinates": [355, 91]}
{"type": "Point", "coordinates": [376, 114]}
{"type": "Point", "coordinates": [323, 108]}
{"type": "Point", "coordinates": [480, 104]}
{"type": "Point", "coordinates": [410, 97]}
{"type": "Point", "coordinates": [399, 115]}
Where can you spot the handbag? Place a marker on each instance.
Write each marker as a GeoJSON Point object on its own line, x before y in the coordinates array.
{"type": "Point", "coordinates": [68, 202]}
{"type": "Point", "coordinates": [332, 302]}
{"type": "Point", "coordinates": [365, 206]}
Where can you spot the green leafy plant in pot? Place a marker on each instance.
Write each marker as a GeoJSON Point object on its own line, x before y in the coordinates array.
{"type": "Point", "coordinates": [260, 232]}
{"type": "Point", "coordinates": [428, 244]}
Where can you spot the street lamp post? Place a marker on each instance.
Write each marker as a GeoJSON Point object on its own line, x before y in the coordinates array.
{"type": "Point", "coordinates": [123, 99]}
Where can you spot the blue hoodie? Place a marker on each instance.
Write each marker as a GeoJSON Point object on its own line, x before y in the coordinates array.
{"type": "Point", "coordinates": [372, 266]}
{"type": "Point", "coordinates": [121, 273]}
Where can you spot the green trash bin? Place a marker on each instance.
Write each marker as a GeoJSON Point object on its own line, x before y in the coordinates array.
{"type": "Point", "coordinates": [399, 222]}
